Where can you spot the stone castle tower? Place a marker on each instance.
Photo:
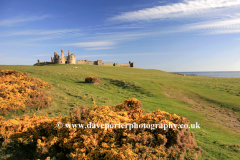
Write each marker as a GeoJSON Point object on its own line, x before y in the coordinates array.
{"type": "Point", "coordinates": [70, 59]}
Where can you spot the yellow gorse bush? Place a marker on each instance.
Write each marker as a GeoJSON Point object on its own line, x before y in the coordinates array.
{"type": "Point", "coordinates": [18, 91]}
{"type": "Point", "coordinates": [98, 143]}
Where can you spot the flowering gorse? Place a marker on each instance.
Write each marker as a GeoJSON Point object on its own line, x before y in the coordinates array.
{"type": "Point", "coordinates": [114, 143]}
{"type": "Point", "coordinates": [18, 91]}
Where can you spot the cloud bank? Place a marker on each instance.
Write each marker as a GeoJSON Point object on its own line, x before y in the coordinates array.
{"type": "Point", "coordinates": [17, 20]}
{"type": "Point", "coordinates": [175, 10]}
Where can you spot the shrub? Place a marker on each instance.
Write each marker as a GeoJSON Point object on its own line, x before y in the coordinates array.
{"type": "Point", "coordinates": [92, 79]}
{"type": "Point", "coordinates": [18, 90]}
{"type": "Point", "coordinates": [98, 143]}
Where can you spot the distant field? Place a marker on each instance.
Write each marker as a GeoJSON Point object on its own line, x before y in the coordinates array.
{"type": "Point", "coordinates": [212, 102]}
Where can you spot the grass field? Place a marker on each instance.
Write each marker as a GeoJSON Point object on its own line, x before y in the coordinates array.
{"type": "Point", "coordinates": [212, 102]}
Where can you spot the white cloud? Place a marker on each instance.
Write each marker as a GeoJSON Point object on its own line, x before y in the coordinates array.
{"type": "Point", "coordinates": [176, 10]}
{"type": "Point", "coordinates": [126, 54]}
{"type": "Point", "coordinates": [41, 32]}
{"type": "Point", "coordinates": [27, 59]}
{"type": "Point", "coordinates": [101, 55]}
{"type": "Point", "coordinates": [42, 55]}
{"type": "Point", "coordinates": [17, 20]}
{"type": "Point", "coordinates": [223, 26]}
{"type": "Point", "coordinates": [99, 48]}
{"type": "Point", "coordinates": [18, 43]}
{"type": "Point", "coordinates": [92, 44]}
{"type": "Point", "coordinates": [229, 23]}
{"type": "Point", "coordinates": [111, 60]}
{"type": "Point", "coordinates": [225, 31]}
{"type": "Point", "coordinates": [42, 38]}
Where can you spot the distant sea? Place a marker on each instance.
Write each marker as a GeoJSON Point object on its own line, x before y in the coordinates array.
{"type": "Point", "coordinates": [225, 74]}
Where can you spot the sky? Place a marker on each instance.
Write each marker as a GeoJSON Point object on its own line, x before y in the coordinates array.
{"type": "Point", "coordinates": [172, 35]}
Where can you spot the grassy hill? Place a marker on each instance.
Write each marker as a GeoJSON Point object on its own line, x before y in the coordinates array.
{"type": "Point", "coordinates": [212, 102]}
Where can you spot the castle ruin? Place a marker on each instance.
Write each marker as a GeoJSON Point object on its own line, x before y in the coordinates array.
{"type": "Point", "coordinates": [71, 59]}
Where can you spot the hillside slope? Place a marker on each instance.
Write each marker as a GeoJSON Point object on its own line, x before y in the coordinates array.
{"type": "Point", "coordinates": [212, 102]}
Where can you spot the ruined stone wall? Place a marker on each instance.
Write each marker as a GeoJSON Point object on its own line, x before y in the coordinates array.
{"type": "Point", "coordinates": [86, 62]}
{"type": "Point", "coordinates": [80, 62]}
{"type": "Point", "coordinates": [62, 51]}
{"type": "Point", "coordinates": [99, 62]}
{"type": "Point", "coordinates": [56, 57]}
{"type": "Point", "coordinates": [123, 64]}
{"type": "Point", "coordinates": [108, 64]}
{"type": "Point", "coordinates": [61, 60]}
{"type": "Point", "coordinates": [56, 60]}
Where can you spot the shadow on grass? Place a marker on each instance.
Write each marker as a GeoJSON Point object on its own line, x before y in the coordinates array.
{"type": "Point", "coordinates": [81, 82]}
{"type": "Point", "coordinates": [44, 64]}
{"type": "Point", "coordinates": [128, 86]}
{"type": "Point", "coordinates": [76, 96]}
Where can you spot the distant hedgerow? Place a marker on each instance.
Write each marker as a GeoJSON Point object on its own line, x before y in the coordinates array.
{"type": "Point", "coordinates": [18, 91]}
{"type": "Point", "coordinates": [98, 143]}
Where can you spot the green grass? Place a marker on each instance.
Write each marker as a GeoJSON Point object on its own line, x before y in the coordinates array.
{"type": "Point", "coordinates": [212, 102]}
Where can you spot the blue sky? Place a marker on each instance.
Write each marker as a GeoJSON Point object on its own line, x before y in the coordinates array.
{"type": "Point", "coordinates": [176, 35]}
